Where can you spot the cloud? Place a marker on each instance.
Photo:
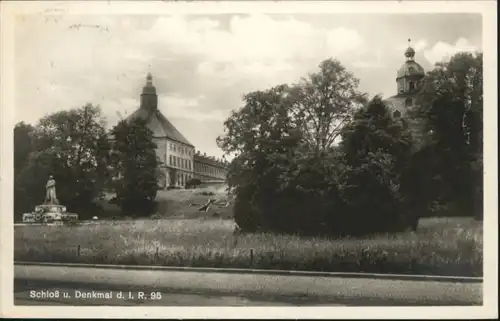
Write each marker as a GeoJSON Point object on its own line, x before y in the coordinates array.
{"type": "Point", "coordinates": [188, 56]}
{"type": "Point", "coordinates": [444, 51]}
{"type": "Point", "coordinates": [202, 65]}
{"type": "Point", "coordinates": [371, 60]}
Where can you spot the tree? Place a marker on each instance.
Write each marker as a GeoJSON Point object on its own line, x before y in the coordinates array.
{"type": "Point", "coordinates": [450, 106]}
{"type": "Point", "coordinates": [73, 147]}
{"type": "Point", "coordinates": [23, 145]}
{"type": "Point", "coordinates": [135, 163]}
{"type": "Point", "coordinates": [376, 148]}
{"type": "Point", "coordinates": [263, 135]}
{"type": "Point", "coordinates": [285, 170]}
{"type": "Point", "coordinates": [325, 101]}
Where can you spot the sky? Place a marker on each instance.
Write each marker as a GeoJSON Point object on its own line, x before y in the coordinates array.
{"type": "Point", "coordinates": [202, 65]}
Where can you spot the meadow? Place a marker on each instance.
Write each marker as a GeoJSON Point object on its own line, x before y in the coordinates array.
{"type": "Point", "coordinates": [440, 246]}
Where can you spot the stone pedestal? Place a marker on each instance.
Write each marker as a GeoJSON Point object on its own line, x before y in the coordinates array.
{"type": "Point", "coordinates": [49, 213]}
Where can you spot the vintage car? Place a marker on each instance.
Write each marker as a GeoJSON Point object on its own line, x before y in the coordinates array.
{"type": "Point", "coordinates": [49, 214]}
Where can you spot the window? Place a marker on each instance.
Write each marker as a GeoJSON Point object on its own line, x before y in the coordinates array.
{"type": "Point", "coordinates": [175, 149]}
{"type": "Point", "coordinates": [411, 86]}
{"type": "Point", "coordinates": [397, 114]}
{"type": "Point", "coordinates": [171, 161]}
{"type": "Point", "coordinates": [408, 102]}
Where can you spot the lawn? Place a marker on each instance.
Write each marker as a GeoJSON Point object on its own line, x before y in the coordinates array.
{"type": "Point", "coordinates": [449, 246]}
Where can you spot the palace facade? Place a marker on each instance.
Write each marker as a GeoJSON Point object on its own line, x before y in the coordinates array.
{"type": "Point", "coordinates": [180, 161]}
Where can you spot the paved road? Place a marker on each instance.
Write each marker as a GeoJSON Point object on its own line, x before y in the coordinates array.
{"type": "Point", "coordinates": [216, 289]}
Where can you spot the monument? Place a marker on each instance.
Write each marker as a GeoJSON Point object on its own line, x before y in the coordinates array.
{"type": "Point", "coordinates": [50, 194]}
{"type": "Point", "coordinates": [50, 211]}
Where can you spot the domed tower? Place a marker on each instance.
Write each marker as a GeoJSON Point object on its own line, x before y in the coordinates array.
{"type": "Point", "coordinates": [149, 98]}
{"type": "Point", "coordinates": [408, 81]}
{"type": "Point", "coordinates": [410, 73]}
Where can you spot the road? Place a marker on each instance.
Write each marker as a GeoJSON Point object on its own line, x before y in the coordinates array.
{"type": "Point", "coordinates": [183, 288]}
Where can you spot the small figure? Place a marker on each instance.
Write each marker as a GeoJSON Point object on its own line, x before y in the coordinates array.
{"type": "Point", "coordinates": [50, 195]}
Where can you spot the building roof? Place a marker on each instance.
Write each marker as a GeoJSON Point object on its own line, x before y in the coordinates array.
{"type": "Point", "coordinates": [410, 68]}
{"type": "Point", "coordinates": [203, 158]}
{"type": "Point", "coordinates": [162, 127]}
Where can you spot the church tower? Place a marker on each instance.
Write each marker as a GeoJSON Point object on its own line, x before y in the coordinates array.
{"type": "Point", "coordinates": [408, 79]}
{"type": "Point", "coordinates": [409, 74]}
{"type": "Point", "coordinates": [149, 98]}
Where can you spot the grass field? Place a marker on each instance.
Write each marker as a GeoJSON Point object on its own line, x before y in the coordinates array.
{"type": "Point", "coordinates": [451, 246]}
{"type": "Point", "coordinates": [181, 204]}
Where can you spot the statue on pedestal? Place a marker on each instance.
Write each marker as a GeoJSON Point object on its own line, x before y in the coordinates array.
{"type": "Point", "coordinates": [50, 194]}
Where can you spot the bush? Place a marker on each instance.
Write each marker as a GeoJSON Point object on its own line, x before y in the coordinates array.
{"type": "Point", "coordinates": [193, 183]}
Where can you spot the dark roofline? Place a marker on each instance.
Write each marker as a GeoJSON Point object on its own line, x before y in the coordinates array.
{"type": "Point", "coordinates": [163, 120]}
{"type": "Point", "coordinates": [209, 161]}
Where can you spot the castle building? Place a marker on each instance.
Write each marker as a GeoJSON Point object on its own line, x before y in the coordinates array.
{"type": "Point", "coordinates": [180, 161]}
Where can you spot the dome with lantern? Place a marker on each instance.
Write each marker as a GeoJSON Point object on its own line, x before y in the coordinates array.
{"type": "Point", "coordinates": [410, 67]}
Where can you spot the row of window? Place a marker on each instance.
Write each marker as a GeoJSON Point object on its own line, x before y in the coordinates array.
{"type": "Point", "coordinates": [186, 164]}
{"type": "Point", "coordinates": [180, 149]}
{"type": "Point", "coordinates": [206, 169]}
{"type": "Point", "coordinates": [180, 162]}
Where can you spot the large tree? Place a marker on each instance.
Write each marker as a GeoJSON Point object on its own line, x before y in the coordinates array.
{"type": "Point", "coordinates": [263, 136]}
{"type": "Point", "coordinates": [325, 102]}
{"type": "Point", "coordinates": [73, 147]}
{"type": "Point", "coordinates": [376, 148]}
{"type": "Point", "coordinates": [23, 145]}
{"type": "Point", "coordinates": [450, 106]}
{"type": "Point", "coordinates": [286, 164]}
{"type": "Point", "coordinates": [135, 167]}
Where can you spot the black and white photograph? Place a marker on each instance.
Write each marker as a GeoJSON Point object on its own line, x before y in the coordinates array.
{"type": "Point", "coordinates": [306, 159]}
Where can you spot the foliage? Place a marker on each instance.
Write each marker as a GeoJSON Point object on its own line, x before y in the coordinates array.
{"type": "Point", "coordinates": [193, 182]}
{"type": "Point", "coordinates": [451, 108]}
{"type": "Point", "coordinates": [135, 166]}
{"type": "Point", "coordinates": [325, 101]}
{"type": "Point", "coordinates": [73, 147]}
{"type": "Point", "coordinates": [265, 136]}
{"type": "Point", "coordinates": [290, 176]}
{"type": "Point", "coordinates": [376, 149]}
{"type": "Point", "coordinates": [23, 145]}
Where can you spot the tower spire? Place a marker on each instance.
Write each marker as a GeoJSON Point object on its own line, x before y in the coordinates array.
{"type": "Point", "coordinates": [149, 99]}
{"type": "Point", "coordinates": [410, 52]}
